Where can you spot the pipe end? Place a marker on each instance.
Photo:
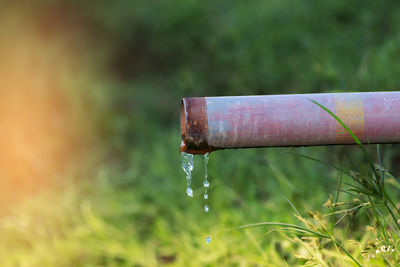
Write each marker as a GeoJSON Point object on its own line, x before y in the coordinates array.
{"type": "Point", "coordinates": [194, 126]}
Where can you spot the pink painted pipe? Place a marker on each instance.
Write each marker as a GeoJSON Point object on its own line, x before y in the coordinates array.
{"type": "Point", "coordinates": [211, 123]}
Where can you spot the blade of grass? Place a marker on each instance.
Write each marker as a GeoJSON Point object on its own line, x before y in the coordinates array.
{"type": "Point", "coordinates": [358, 142]}
{"type": "Point", "coordinates": [335, 206]}
{"type": "Point", "coordinates": [294, 226]}
{"type": "Point", "coordinates": [293, 206]}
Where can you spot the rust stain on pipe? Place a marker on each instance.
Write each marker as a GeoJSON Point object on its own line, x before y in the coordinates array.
{"type": "Point", "coordinates": [211, 123]}
{"type": "Point", "coordinates": [194, 126]}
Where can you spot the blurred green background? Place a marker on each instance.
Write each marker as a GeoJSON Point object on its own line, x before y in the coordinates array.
{"type": "Point", "coordinates": [90, 97]}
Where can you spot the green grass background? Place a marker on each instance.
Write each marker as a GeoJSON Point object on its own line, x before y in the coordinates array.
{"type": "Point", "coordinates": [121, 199]}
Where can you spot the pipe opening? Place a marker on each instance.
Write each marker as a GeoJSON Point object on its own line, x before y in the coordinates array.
{"type": "Point", "coordinates": [194, 126]}
{"type": "Point", "coordinates": [183, 147]}
{"type": "Point", "coordinates": [183, 119]}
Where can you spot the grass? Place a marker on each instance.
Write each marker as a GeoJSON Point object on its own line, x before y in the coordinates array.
{"type": "Point", "coordinates": [139, 214]}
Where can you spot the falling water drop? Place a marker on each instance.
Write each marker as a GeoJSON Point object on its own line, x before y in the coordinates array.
{"type": "Point", "coordinates": [206, 185]}
{"type": "Point", "coordinates": [189, 192]}
{"type": "Point", "coordinates": [187, 166]}
{"type": "Point", "coordinates": [206, 208]}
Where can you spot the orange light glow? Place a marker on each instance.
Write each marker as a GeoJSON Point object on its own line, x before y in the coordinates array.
{"type": "Point", "coordinates": [42, 126]}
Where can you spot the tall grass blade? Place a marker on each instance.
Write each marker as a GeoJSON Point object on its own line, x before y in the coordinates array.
{"type": "Point", "coordinates": [355, 138]}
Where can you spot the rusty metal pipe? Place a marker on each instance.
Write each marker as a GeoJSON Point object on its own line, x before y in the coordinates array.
{"type": "Point", "coordinates": [211, 123]}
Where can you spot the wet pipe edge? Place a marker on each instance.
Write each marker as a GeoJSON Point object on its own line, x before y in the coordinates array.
{"type": "Point", "coordinates": [194, 126]}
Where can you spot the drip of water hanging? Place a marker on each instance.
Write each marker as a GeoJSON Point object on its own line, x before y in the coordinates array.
{"type": "Point", "coordinates": [187, 166]}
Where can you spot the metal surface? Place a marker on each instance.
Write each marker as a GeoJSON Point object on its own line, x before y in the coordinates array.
{"type": "Point", "coordinates": [212, 123]}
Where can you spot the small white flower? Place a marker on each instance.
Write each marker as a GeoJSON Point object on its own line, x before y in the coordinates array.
{"type": "Point", "coordinates": [392, 250]}
{"type": "Point", "coordinates": [377, 251]}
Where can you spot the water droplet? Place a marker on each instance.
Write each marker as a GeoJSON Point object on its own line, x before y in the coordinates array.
{"type": "Point", "coordinates": [189, 192]}
{"type": "Point", "coordinates": [208, 239]}
{"type": "Point", "coordinates": [206, 208]}
{"type": "Point", "coordinates": [206, 184]}
{"type": "Point", "coordinates": [187, 166]}
{"type": "Point", "coordinates": [187, 163]}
